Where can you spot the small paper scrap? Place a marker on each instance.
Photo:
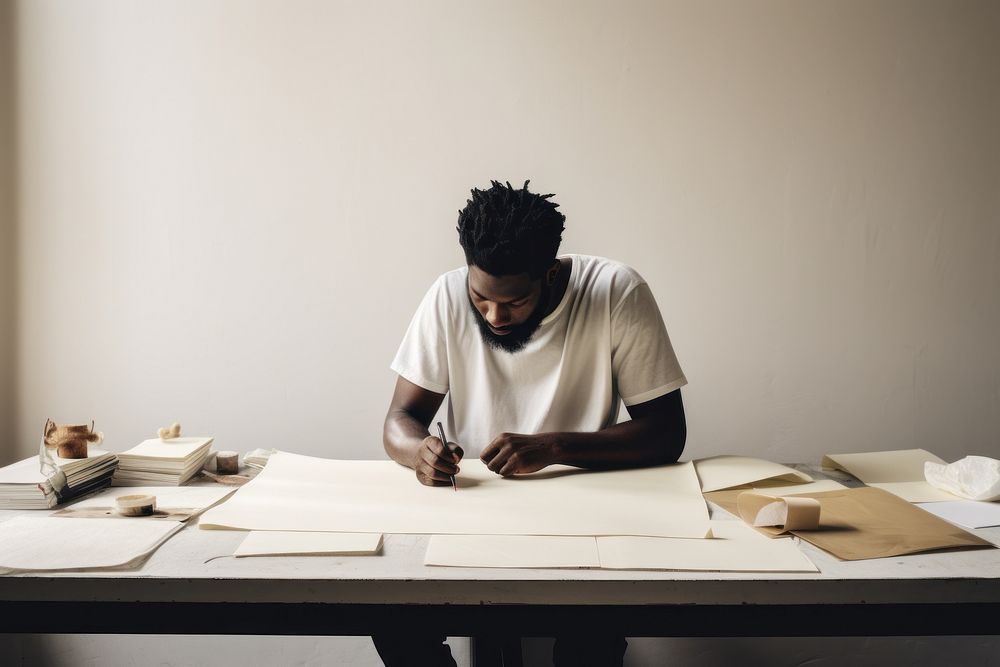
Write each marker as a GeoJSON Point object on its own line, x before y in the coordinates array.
{"type": "Point", "coordinates": [787, 512]}
{"type": "Point", "coordinates": [974, 477]}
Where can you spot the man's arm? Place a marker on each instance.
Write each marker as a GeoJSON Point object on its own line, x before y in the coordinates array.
{"type": "Point", "coordinates": [655, 435]}
{"type": "Point", "coordinates": [407, 440]}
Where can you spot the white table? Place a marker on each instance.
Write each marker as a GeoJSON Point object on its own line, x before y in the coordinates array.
{"type": "Point", "coordinates": [192, 585]}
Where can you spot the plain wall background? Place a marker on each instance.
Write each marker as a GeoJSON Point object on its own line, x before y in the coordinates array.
{"type": "Point", "coordinates": [225, 213]}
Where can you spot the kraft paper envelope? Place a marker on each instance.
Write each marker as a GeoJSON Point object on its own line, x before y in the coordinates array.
{"type": "Point", "coordinates": [869, 523]}
{"type": "Point", "coordinates": [900, 472]}
{"type": "Point", "coordinates": [724, 472]}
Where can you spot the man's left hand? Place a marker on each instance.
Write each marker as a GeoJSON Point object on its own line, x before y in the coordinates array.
{"type": "Point", "coordinates": [514, 453]}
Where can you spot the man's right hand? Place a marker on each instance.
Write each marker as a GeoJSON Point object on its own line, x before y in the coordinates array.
{"type": "Point", "coordinates": [437, 462]}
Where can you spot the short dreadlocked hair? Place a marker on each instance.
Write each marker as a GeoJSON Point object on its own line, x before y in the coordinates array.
{"type": "Point", "coordinates": [505, 231]}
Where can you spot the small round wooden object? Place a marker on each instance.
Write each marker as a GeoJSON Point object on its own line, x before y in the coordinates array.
{"type": "Point", "coordinates": [136, 505]}
{"type": "Point", "coordinates": [227, 463]}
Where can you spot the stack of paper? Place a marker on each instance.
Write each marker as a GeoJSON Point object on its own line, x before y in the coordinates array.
{"type": "Point", "coordinates": [162, 462]}
{"type": "Point", "coordinates": [23, 486]}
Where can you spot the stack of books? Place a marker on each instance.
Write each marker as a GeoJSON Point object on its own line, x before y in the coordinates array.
{"type": "Point", "coordinates": [23, 486]}
{"type": "Point", "coordinates": [159, 462]}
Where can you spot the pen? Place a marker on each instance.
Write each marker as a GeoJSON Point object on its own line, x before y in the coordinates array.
{"type": "Point", "coordinates": [444, 441]}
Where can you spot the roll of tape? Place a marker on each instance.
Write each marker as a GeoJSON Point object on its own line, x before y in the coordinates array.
{"type": "Point", "coordinates": [227, 463]}
{"type": "Point", "coordinates": [136, 505]}
{"type": "Point", "coordinates": [788, 513]}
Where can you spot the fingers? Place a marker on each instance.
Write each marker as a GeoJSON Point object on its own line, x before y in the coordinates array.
{"type": "Point", "coordinates": [499, 453]}
{"type": "Point", "coordinates": [437, 463]}
{"type": "Point", "coordinates": [439, 457]}
{"type": "Point", "coordinates": [492, 450]}
{"type": "Point", "coordinates": [432, 478]}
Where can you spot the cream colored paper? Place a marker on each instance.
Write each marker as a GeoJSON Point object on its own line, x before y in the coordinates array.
{"type": "Point", "coordinates": [788, 512]}
{"type": "Point", "coordinates": [724, 472]}
{"type": "Point", "coordinates": [735, 548]}
{"type": "Point", "coordinates": [302, 493]}
{"type": "Point", "coordinates": [166, 450]}
{"type": "Point", "coordinates": [512, 551]}
{"type": "Point", "coordinates": [900, 472]}
{"type": "Point", "coordinates": [39, 544]}
{"type": "Point", "coordinates": [285, 543]}
{"type": "Point", "coordinates": [196, 498]}
{"type": "Point", "coordinates": [779, 489]}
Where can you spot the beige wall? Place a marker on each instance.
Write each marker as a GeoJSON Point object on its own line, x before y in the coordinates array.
{"type": "Point", "coordinates": [229, 210]}
{"type": "Point", "coordinates": [8, 234]}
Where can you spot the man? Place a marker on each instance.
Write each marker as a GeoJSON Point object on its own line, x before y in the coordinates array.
{"type": "Point", "coordinates": [533, 351]}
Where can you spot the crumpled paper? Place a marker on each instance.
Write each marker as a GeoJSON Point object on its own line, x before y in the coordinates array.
{"type": "Point", "coordinates": [974, 477]}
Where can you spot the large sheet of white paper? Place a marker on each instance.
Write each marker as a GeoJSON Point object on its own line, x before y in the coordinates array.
{"type": "Point", "coordinates": [967, 513]}
{"type": "Point", "coordinates": [286, 543]}
{"type": "Point", "coordinates": [725, 472]}
{"type": "Point", "coordinates": [900, 472]}
{"type": "Point", "coordinates": [38, 544]}
{"type": "Point", "coordinates": [735, 548]}
{"type": "Point", "coordinates": [512, 551]}
{"type": "Point", "coordinates": [303, 493]}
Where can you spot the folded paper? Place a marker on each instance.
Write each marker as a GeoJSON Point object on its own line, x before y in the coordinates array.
{"type": "Point", "coordinates": [724, 472]}
{"type": "Point", "coordinates": [900, 472]}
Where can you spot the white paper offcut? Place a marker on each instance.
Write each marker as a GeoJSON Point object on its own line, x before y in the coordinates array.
{"type": "Point", "coordinates": [287, 543]}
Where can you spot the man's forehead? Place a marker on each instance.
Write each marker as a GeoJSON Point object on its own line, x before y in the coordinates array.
{"type": "Point", "coordinates": [504, 287]}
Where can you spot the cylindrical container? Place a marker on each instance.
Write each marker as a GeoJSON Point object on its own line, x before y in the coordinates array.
{"type": "Point", "coordinates": [227, 463]}
{"type": "Point", "coordinates": [139, 504]}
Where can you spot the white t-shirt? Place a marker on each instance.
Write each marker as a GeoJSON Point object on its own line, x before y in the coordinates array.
{"type": "Point", "coordinates": [604, 341]}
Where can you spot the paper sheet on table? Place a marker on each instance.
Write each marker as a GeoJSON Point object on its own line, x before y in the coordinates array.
{"type": "Point", "coordinates": [969, 513]}
{"type": "Point", "coordinates": [723, 472]}
{"type": "Point", "coordinates": [288, 543]}
{"type": "Point", "coordinates": [39, 544]}
{"type": "Point", "coordinates": [861, 523]}
{"type": "Point", "coordinates": [303, 493]}
{"type": "Point", "coordinates": [513, 551]}
{"type": "Point", "coordinates": [736, 548]}
{"type": "Point", "coordinates": [900, 472]}
{"type": "Point", "coordinates": [172, 502]}
{"type": "Point", "coordinates": [167, 497]}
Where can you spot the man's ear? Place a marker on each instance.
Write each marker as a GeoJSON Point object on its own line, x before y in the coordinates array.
{"type": "Point", "coordinates": [550, 275]}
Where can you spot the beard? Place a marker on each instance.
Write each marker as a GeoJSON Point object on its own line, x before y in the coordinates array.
{"type": "Point", "coordinates": [519, 334]}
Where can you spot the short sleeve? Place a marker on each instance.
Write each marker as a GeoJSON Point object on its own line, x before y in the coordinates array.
{"type": "Point", "coordinates": [642, 358]}
{"type": "Point", "coordinates": [422, 357]}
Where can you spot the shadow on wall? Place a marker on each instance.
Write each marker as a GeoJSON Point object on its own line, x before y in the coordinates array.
{"type": "Point", "coordinates": [8, 232]}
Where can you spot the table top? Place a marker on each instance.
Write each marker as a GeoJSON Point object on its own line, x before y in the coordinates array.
{"type": "Point", "coordinates": [197, 566]}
